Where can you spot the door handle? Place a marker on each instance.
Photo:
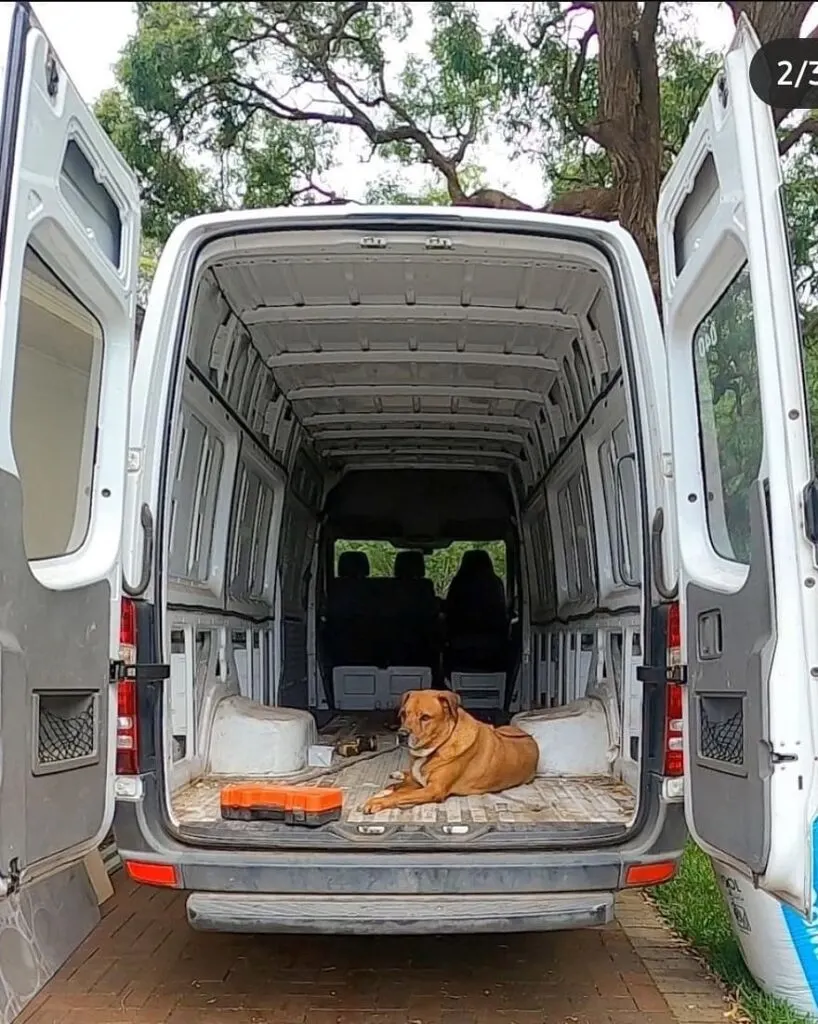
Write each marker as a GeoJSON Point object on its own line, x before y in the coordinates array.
{"type": "Point", "coordinates": [710, 635]}
{"type": "Point", "coordinates": [146, 521]}
{"type": "Point", "coordinates": [657, 560]}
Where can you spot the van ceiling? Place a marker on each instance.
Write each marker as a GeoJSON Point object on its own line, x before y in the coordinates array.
{"type": "Point", "coordinates": [395, 352]}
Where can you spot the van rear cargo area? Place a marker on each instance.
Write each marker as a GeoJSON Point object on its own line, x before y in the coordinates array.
{"type": "Point", "coordinates": [548, 800]}
{"type": "Point", "coordinates": [406, 469]}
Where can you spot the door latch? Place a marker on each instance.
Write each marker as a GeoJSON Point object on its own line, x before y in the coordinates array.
{"type": "Point", "coordinates": [661, 674]}
{"type": "Point", "coordinates": [777, 758]}
{"type": "Point", "coordinates": [140, 673]}
{"type": "Point", "coordinates": [10, 880]}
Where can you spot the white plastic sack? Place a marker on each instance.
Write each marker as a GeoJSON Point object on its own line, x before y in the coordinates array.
{"type": "Point", "coordinates": [779, 947]}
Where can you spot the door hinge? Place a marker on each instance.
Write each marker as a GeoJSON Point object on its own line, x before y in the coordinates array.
{"type": "Point", "coordinates": [10, 880]}
{"type": "Point", "coordinates": [52, 75]}
{"type": "Point", "coordinates": [662, 674]}
{"type": "Point", "coordinates": [782, 758]}
{"type": "Point", "coordinates": [140, 673]}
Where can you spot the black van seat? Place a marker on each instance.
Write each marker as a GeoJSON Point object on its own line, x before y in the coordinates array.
{"type": "Point", "coordinates": [411, 565]}
{"type": "Point", "coordinates": [353, 565]}
{"type": "Point", "coordinates": [382, 634]}
{"type": "Point", "coordinates": [350, 637]}
{"type": "Point", "coordinates": [476, 619]}
{"type": "Point", "coordinates": [412, 614]}
{"type": "Point", "coordinates": [477, 645]}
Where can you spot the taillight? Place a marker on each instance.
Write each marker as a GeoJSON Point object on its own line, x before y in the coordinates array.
{"type": "Point", "coordinates": [674, 635]}
{"type": "Point", "coordinates": [674, 740]}
{"type": "Point", "coordinates": [127, 724]}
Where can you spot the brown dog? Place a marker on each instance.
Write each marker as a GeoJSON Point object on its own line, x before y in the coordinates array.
{"type": "Point", "coordinates": [454, 754]}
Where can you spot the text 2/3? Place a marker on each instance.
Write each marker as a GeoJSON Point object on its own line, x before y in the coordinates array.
{"type": "Point", "coordinates": [792, 75]}
{"type": "Point", "coordinates": [784, 74]}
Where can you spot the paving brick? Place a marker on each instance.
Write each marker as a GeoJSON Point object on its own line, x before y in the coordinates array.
{"type": "Point", "coordinates": [693, 1008]}
{"type": "Point", "coordinates": [143, 965]}
{"type": "Point", "coordinates": [648, 998]}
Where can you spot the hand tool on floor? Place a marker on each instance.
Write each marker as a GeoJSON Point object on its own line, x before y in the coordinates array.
{"type": "Point", "coordinates": [356, 745]}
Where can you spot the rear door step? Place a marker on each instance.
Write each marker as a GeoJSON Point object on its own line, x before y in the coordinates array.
{"type": "Point", "coordinates": [382, 915]}
{"type": "Point", "coordinates": [265, 835]}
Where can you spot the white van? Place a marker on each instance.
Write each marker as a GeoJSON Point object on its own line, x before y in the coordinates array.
{"type": "Point", "coordinates": [173, 615]}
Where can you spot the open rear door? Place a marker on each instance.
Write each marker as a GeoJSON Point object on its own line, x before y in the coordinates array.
{"type": "Point", "coordinates": [742, 464]}
{"type": "Point", "coordinates": [69, 236]}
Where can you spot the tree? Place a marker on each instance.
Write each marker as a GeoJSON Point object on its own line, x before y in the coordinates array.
{"type": "Point", "coordinates": [265, 87]}
{"type": "Point", "coordinates": [170, 188]}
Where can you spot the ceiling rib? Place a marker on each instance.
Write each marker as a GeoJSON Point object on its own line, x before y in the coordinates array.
{"type": "Point", "coordinates": [353, 434]}
{"type": "Point", "coordinates": [405, 313]}
{"type": "Point", "coordinates": [392, 418]}
{"type": "Point", "coordinates": [405, 356]}
{"type": "Point", "coordinates": [452, 390]}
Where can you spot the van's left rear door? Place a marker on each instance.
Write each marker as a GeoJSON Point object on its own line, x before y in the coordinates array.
{"type": "Point", "coordinates": [69, 237]}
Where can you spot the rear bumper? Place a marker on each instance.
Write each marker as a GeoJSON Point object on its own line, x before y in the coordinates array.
{"type": "Point", "coordinates": [397, 915]}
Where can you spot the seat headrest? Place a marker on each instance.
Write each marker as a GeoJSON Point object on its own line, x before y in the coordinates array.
{"type": "Point", "coordinates": [409, 565]}
{"type": "Point", "coordinates": [476, 560]}
{"type": "Point", "coordinates": [353, 565]}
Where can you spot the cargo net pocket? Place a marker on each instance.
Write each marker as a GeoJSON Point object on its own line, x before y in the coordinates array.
{"type": "Point", "coordinates": [66, 728]}
{"type": "Point", "coordinates": [721, 729]}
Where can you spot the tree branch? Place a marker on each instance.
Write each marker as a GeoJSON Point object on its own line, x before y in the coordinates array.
{"type": "Point", "coordinates": [542, 32]}
{"type": "Point", "coordinates": [809, 126]}
{"type": "Point", "coordinates": [331, 198]}
{"type": "Point", "coordinates": [647, 63]}
{"type": "Point", "coordinates": [318, 58]}
{"type": "Point", "coordinates": [575, 75]}
{"type": "Point", "coordinates": [342, 20]}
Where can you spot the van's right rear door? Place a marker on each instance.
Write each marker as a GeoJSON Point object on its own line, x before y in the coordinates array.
{"type": "Point", "coordinates": [742, 462]}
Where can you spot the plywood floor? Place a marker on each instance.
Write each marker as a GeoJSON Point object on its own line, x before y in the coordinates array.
{"type": "Point", "coordinates": [590, 800]}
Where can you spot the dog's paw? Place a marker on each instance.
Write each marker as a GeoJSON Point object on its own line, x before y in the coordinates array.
{"type": "Point", "coordinates": [398, 776]}
{"type": "Point", "coordinates": [375, 804]}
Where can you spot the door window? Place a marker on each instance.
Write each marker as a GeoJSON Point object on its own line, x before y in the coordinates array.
{"type": "Point", "coordinates": [730, 425]}
{"type": "Point", "coordinates": [55, 406]}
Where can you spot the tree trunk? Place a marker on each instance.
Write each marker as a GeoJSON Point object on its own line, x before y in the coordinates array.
{"type": "Point", "coordinates": [602, 203]}
{"type": "Point", "coordinates": [629, 123]}
{"type": "Point", "coordinates": [773, 19]}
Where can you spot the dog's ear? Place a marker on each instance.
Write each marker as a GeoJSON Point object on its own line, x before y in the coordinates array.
{"type": "Point", "coordinates": [403, 700]}
{"type": "Point", "coordinates": [450, 701]}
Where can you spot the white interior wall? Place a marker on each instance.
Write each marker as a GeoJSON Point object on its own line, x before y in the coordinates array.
{"type": "Point", "coordinates": [232, 463]}
{"type": "Point", "coordinates": [587, 618]}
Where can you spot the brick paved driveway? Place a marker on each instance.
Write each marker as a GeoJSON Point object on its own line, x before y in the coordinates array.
{"type": "Point", "coordinates": [143, 965]}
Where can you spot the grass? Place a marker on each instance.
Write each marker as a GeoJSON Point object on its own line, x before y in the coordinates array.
{"type": "Point", "coordinates": [693, 906]}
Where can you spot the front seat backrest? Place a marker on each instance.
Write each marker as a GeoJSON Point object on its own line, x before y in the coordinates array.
{"type": "Point", "coordinates": [353, 565]}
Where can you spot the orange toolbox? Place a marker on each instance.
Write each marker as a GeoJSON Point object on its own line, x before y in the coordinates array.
{"type": "Point", "coordinates": [294, 805]}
